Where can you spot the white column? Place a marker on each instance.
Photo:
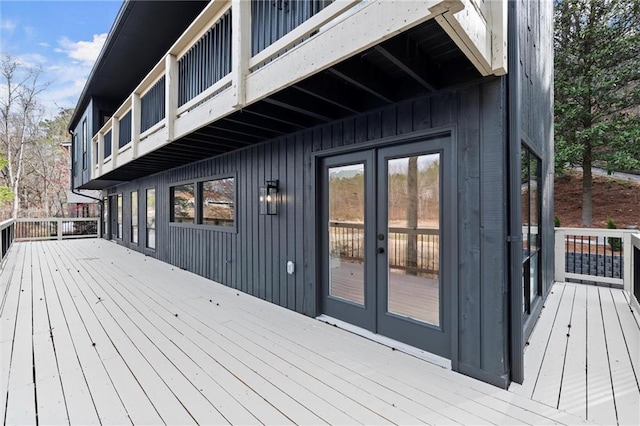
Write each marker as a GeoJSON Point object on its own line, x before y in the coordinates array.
{"type": "Point", "coordinates": [100, 148]}
{"type": "Point", "coordinates": [240, 48]}
{"type": "Point", "coordinates": [135, 123]}
{"type": "Point", "coordinates": [115, 141]}
{"type": "Point", "coordinates": [170, 94]}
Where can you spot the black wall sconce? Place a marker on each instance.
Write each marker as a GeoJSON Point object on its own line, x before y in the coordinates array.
{"type": "Point", "coordinates": [269, 198]}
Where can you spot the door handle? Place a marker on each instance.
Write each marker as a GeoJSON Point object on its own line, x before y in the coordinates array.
{"type": "Point", "coordinates": [380, 250]}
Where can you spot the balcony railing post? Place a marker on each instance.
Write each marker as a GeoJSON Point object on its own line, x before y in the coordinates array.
{"type": "Point", "coordinates": [100, 148]}
{"type": "Point", "coordinates": [171, 93]}
{"type": "Point", "coordinates": [240, 48]}
{"type": "Point", "coordinates": [115, 137]}
{"type": "Point", "coordinates": [135, 123]}
{"type": "Point", "coordinates": [627, 256]}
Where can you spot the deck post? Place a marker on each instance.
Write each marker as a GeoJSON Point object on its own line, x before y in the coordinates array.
{"type": "Point", "coordinates": [560, 255]}
{"type": "Point", "coordinates": [627, 261]}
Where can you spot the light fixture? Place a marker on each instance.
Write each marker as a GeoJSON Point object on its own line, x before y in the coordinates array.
{"type": "Point", "coordinates": [269, 198]}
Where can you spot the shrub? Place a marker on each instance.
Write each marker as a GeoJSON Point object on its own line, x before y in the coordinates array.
{"type": "Point", "coordinates": [556, 221]}
{"type": "Point", "coordinates": [615, 243]}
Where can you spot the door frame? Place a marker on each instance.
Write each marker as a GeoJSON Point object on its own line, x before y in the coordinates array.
{"type": "Point", "coordinates": [315, 272]}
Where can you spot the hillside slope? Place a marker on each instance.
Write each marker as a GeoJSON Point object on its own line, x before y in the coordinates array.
{"type": "Point", "coordinates": [617, 198]}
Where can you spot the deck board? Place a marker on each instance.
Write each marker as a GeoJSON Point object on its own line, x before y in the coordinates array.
{"type": "Point", "coordinates": [594, 375]}
{"type": "Point", "coordinates": [123, 356]}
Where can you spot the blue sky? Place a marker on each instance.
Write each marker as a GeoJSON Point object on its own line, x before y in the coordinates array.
{"type": "Point", "coordinates": [62, 37]}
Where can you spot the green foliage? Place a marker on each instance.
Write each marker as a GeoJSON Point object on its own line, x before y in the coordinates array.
{"type": "Point", "coordinates": [597, 84]}
{"type": "Point", "coordinates": [615, 243]}
{"type": "Point", "coordinates": [6, 195]}
{"type": "Point", "coordinates": [556, 221]}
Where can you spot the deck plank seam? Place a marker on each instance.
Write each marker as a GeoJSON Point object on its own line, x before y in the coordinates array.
{"type": "Point", "coordinates": [13, 339]}
{"type": "Point", "coordinates": [548, 342]}
{"type": "Point", "coordinates": [566, 349]}
{"type": "Point", "coordinates": [606, 345]}
{"type": "Point", "coordinates": [626, 343]}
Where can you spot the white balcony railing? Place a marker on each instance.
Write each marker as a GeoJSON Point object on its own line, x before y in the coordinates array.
{"type": "Point", "coordinates": [239, 78]}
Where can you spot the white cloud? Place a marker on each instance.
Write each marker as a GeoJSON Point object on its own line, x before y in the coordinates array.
{"type": "Point", "coordinates": [44, 44]}
{"type": "Point", "coordinates": [7, 25]}
{"type": "Point", "coordinates": [85, 52]}
{"type": "Point", "coordinates": [31, 60]}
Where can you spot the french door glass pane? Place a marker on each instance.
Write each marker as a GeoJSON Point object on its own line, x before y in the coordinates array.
{"type": "Point", "coordinates": [413, 246]}
{"type": "Point", "coordinates": [346, 232]}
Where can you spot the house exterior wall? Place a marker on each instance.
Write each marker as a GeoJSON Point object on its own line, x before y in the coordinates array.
{"type": "Point", "coordinates": [253, 259]}
{"type": "Point", "coordinates": [80, 174]}
{"type": "Point", "coordinates": [535, 23]}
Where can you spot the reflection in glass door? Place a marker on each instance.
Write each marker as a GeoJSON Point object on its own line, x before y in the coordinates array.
{"type": "Point", "coordinates": [346, 232]}
{"type": "Point", "coordinates": [413, 237]}
{"type": "Point", "coordinates": [385, 215]}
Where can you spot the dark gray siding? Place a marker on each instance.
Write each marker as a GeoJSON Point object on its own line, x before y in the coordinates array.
{"type": "Point", "coordinates": [80, 174]}
{"type": "Point", "coordinates": [536, 76]}
{"type": "Point", "coordinates": [253, 259]}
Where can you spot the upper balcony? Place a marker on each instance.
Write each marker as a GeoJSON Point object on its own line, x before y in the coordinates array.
{"type": "Point", "coordinates": [245, 72]}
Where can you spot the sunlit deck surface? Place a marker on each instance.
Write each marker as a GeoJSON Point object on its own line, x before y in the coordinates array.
{"type": "Point", "coordinates": [583, 356]}
{"type": "Point", "coordinates": [94, 333]}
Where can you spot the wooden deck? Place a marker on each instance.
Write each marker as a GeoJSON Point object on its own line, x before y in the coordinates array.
{"type": "Point", "coordinates": [583, 356]}
{"type": "Point", "coordinates": [93, 333]}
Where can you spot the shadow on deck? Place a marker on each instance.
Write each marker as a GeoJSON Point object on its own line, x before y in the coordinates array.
{"type": "Point", "coordinates": [94, 333]}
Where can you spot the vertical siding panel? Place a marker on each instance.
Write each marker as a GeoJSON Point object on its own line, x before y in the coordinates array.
{"type": "Point", "coordinates": [337, 134]}
{"type": "Point", "coordinates": [389, 122]}
{"type": "Point", "coordinates": [302, 148]}
{"type": "Point", "coordinates": [348, 131]}
{"type": "Point", "coordinates": [468, 225]}
{"type": "Point", "coordinates": [361, 129]}
{"type": "Point", "coordinates": [374, 129]}
{"type": "Point", "coordinates": [404, 118]}
{"type": "Point", "coordinates": [292, 200]}
{"type": "Point", "coordinates": [306, 299]}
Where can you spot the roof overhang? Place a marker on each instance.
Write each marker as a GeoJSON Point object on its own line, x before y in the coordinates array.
{"type": "Point", "coordinates": [140, 36]}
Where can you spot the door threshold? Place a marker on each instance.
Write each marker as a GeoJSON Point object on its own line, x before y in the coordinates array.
{"type": "Point", "coordinates": [386, 341]}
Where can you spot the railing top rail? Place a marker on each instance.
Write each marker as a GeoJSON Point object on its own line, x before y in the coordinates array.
{"type": "Point", "coordinates": [7, 223]}
{"type": "Point", "coordinates": [53, 219]}
{"type": "Point", "coordinates": [595, 232]}
{"type": "Point", "coordinates": [635, 240]}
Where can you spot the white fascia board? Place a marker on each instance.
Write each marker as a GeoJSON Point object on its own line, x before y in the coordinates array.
{"type": "Point", "coordinates": [483, 39]}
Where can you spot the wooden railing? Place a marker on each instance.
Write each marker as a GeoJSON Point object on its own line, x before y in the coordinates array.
{"type": "Point", "coordinates": [7, 232]}
{"type": "Point", "coordinates": [412, 250]}
{"type": "Point", "coordinates": [56, 228]}
{"type": "Point", "coordinates": [594, 255]}
{"type": "Point", "coordinates": [237, 52]}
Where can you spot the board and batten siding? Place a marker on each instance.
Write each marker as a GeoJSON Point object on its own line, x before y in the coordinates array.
{"type": "Point", "coordinates": [254, 258]}
{"type": "Point", "coordinates": [535, 22]}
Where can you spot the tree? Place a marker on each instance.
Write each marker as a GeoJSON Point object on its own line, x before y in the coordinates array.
{"type": "Point", "coordinates": [20, 114]}
{"type": "Point", "coordinates": [47, 168]}
{"type": "Point", "coordinates": [597, 87]}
